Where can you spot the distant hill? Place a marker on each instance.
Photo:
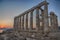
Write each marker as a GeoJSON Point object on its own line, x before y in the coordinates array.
{"type": "Point", "coordinates": [5, 29]}
{"type": "Point", "coordinates": [9, 29]}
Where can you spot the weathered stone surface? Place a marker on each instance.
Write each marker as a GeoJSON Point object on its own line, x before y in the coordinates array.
{"type": "Point", "coordinates": [31, 20]}
{"type": "Point", "coordinates": [37, 20]}
{"type": "Point", "coordinates": [42, 33]}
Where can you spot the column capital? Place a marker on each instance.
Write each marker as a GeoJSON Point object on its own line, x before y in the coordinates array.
{"type": "Point", "coordinates": [45, 2]}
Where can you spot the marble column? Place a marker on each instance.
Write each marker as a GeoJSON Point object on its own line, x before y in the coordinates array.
{"type": "Point", "coordinates": [42, 27]}
{"type": "Point", "coordinates": [31, 20]}
{"type": "Point", "coordinates": [23, 22]}
{"type": "Point", "coordinates": [54, 22]}
{"type": "Point", "coordinates": [46, 21]}
{"type": "Point", "coordinates": [51, 21]}
{"type": "Point", "coordinates": [27, 21]}
{"type": "Point", "coordinates": [15, 23]}
{"type": "Point", "coordinates": [20, 22]}
{"type": "Point", "coordinates": [37, 19]}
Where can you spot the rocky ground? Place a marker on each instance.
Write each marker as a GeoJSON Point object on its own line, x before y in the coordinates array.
{"type": "Point", "coordinates": [16, 36]}
{"type": "Point", "coordinates": [11, 36]}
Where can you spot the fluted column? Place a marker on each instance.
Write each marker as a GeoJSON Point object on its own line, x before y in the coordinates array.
{"type": "Point", "coordinates": [27, 21]}
{"type": "Point", "coordinates": [51, 19]}
{"type": "Point", "coordinates": [46, 21]}
{"type": "Point", "coordinates": [54, 22]}
{"type": "Point", "coordinates": [31, 20]}
{"type": "Point", "coordinates": [20, 22]}
{"type": "Point", "coordinates": [37, 19]}
{"type": "Point", "coordinates": [15, 23]}
{"type": "Point", "coordinates": [23, 22]}
{"type": "Point", "coordinates": [42, 27]}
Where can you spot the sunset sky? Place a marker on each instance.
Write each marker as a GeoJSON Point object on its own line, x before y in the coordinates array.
{"type": "Point", "coordinates": [11, 8]}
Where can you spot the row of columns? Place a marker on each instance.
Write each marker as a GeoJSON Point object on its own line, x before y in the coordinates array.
{"type": "Point", "coordinates": [19, 20]}
{"type": "Point", "coordinates": [54, 22]}
{"type": "Point", "coordinates": [20, 23]}
{"type": "Point", "coordinates": [37, 19]}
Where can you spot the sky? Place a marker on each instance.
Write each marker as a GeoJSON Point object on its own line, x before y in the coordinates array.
{"type": "Point", "coordinates": [11, 8]}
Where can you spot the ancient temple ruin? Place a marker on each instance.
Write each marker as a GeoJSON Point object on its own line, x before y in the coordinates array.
{"type": "Point", "coordinates": [44, 23]}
